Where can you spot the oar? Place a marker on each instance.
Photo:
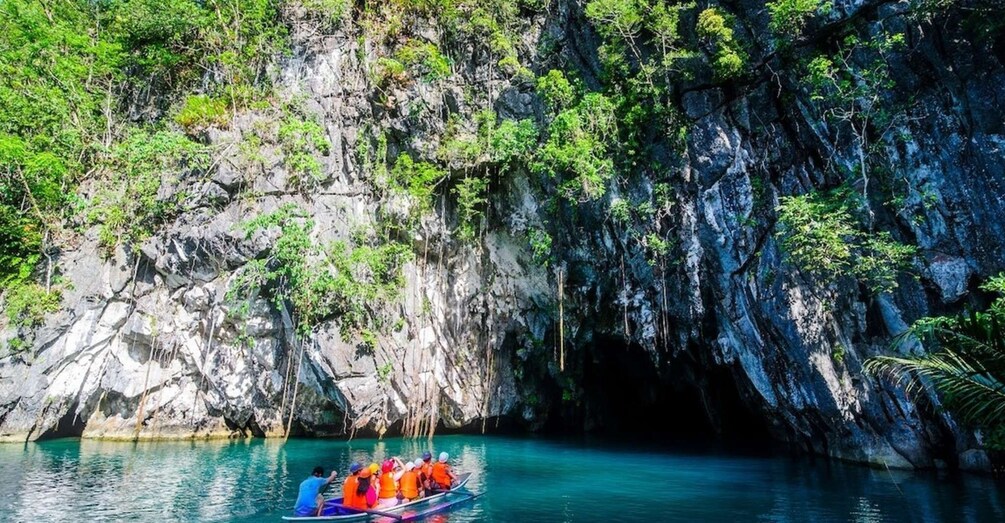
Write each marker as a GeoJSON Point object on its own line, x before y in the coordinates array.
{"type": "Point", "coordinates": [395, 517]}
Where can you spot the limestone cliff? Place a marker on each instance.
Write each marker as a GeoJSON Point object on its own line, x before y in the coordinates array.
{"type": "Point", "coordinates": [147, 344]}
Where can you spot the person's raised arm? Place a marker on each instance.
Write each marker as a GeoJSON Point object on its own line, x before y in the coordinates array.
{"type": "Point", "coordinates": [331, 477]}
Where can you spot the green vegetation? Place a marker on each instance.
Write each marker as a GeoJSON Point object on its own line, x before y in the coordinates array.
{"type": "Point", "coordinates": [431, 65]}
{"type": "Point", "coordinates": [965, 364]}
{"type": "Point", "coordinates": [513, 142]}
{"type": "Point", "coordinates": [66, 70]}
{"type": "Point", "coordinates": [127, 206]}
{"type": "Point", "coordinates": [301, 139]}
{"type": "Point", "coordinates": [199, 112]}
{"type": "Point", "coordinates": [848, 89]}
{"type": "Point", "coordinates": [540, 245]}
{"type": "Point", "coordinates": [820, 235]}
{"type": "Point", "coordinates": [28, 304]}
{"type": "Point", "coordinates": [556, 90]}
{"type": "Point", "coordinates": [789, 17]}
{"type": "Point", "coordinates": [471, 195]}
{"type": "Point", "coordinates": [577, 152]}
{"type": "Point", "coordinates": [714, 27]}
{"type": "Point", "coordinates": [416, 179]}
{"type": "Point", "coordinates": [326, 14]}
{"type": "Point", "coordinates": [341, 281]}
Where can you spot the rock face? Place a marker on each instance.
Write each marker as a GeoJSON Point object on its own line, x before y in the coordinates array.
{"type": "Point", "coordinates": [147, 346]}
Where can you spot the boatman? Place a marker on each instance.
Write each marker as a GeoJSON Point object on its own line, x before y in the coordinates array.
{"type": "Point", "coordinates": [310, 501]}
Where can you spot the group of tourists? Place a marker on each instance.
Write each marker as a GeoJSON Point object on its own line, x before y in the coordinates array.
{"type": "Point", "coordinates": [377, 487]}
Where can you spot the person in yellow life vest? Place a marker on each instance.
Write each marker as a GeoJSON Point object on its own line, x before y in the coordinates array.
{"type": "Point", "coordinates": [442, 477]}
{"type": "Point", "coordinates": [409, 483]}
{"type": "Point", "coordinates": [387, 492]}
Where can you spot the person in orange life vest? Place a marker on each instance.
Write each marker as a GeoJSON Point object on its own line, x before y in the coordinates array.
{"type": "Point", "coordinates": [426, 470]}
{"type": "Point", "coordinates": [442, 477]}
{"type": "Point", "coordinates": [365, 490]}
{"type": "Point", "coordinates": [350, 497]}
{"type": "Point", "coordinates": [388, 488]}
{"type": "Point", "coordinates": [409, 485]}
{"type": "Point", "coordinates": [417, 467]}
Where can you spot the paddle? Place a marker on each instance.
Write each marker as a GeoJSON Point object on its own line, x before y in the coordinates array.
{"type": "Point", "coordinates": [395, 517]}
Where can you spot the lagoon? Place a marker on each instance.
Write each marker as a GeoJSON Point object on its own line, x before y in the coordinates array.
{"type": "Point", "coordinates": [524, 479]}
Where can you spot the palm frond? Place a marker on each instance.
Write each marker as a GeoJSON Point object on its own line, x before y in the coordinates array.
{"type": "Point", "coordinates": [966, 365]}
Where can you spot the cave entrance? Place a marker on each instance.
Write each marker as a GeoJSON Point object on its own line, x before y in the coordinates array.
{"type": "Point", "coordinates": [627, 395]}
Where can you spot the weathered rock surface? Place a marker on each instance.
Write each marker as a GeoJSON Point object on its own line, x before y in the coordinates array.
{"type": "Point", "coordinates": [146, 346]}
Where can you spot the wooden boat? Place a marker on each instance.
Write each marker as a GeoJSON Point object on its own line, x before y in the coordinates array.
{"type": "Point", "coordinates": [335, 511]}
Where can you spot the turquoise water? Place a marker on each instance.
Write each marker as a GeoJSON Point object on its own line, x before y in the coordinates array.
{"type": "Point", "coordinates": [523, 479]}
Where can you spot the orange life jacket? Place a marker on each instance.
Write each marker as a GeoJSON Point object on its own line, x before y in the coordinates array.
{"type": "Point", "coordinates": [426, 470]}
{"type": "Point", "coordinates": [440, 474]}
{"type": "Point", "coordinates": [409, 484]}
{"type": "Point", "coordinates": [387, 488]}
{"type": "Point", "coordinates": [349, 496]}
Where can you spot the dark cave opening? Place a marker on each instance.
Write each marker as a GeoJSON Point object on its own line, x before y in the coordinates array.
{"type": "Point", "coordinates": [625, 395]}
{"type": "Point", "coordinates": [70, 425]}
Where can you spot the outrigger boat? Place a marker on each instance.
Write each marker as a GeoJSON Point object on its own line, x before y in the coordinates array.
{"type": "Point", "coordinates": [335, 511]}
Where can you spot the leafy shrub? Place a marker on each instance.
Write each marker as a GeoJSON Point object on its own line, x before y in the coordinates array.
{"type": "Point", "coordinates": [714, 27]}
{"type": "Point", "coordinates": [556, 90]}
{"type": "Point", "coordinates": [789, 17]}
{"type": "Point", "coordinates": [301, 139]}
{"type": "Point", "coordinates": [620, 211]}
{"type": "Point", "coordinates": [540, 245]}
{"type": "Point", "coordinates": [339, 281]}
{"type": "Point", "coordinates": [200, 112]}
{"type": "Point", "coordinates": [820, 235]}
{"type": "Point", "coordinates": [417, 179]}
{"type": "Point", "coordinates": [27, 304]}
{"type": "Point", "coordinates": [471, 196]}
{"type": "Point", "coordinates": [432, 64]}
{"type": "Point", "coordinates": [514, 141]}
{"type": "Point", "coordinates": [576, 150]}
{"type": "Point", "coordinates": [389, 70]}
{"type": "Point", "coordinates": [127, 207]}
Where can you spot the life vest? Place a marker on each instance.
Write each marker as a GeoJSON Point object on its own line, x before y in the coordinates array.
{"type": "Point", "coordinates": [409, 484]}
{"type": "Point", "coordinates": [426, 470]}
{"type": "Point", "coordinates": [387, 488]}
{"type": "Point", "coordinates": [349, 496]}
{"type": "Point", "coordinates": [440, 476]}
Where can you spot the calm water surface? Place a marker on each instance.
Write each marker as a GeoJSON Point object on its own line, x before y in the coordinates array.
{"type": "Point", "coordinates": [523, 480]}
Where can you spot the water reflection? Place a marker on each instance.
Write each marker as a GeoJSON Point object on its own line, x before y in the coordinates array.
{"type": "Point", "coordinates": [522, 480]}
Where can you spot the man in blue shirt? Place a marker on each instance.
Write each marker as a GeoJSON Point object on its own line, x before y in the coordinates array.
{"type": "Point", "coordinates": [310, 502]}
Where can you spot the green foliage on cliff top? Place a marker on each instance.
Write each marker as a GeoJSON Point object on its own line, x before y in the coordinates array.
{"type": "Point", "coordinates": [68, 72]}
